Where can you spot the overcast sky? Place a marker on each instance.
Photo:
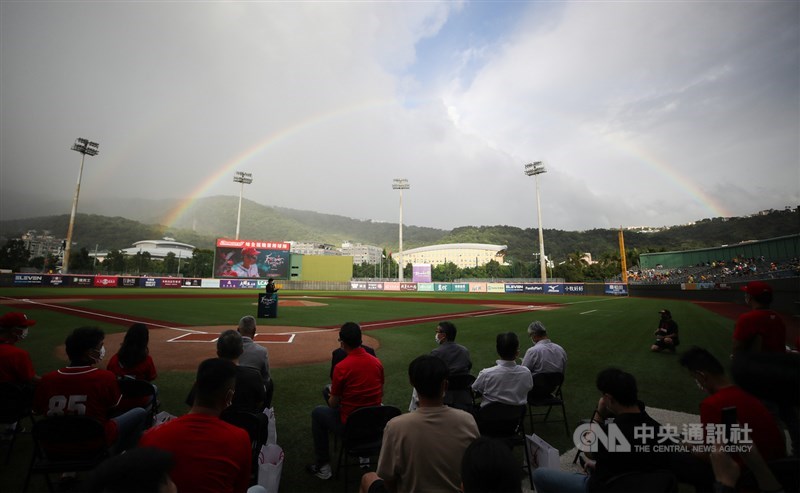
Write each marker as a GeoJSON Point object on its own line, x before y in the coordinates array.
{"type": "Point", "coordinates": [644, 113]}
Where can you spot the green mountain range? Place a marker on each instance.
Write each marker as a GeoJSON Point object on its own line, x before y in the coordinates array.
{"type": "Point", "coordinates": [215, 217]}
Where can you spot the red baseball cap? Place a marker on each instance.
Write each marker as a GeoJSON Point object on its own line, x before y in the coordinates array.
{"type": "Point", "coordinates": [250, 251]}
{"type": "Point", "coordinates": [15, 319]}
{"type": "Point", "coordinates": [755, 288]}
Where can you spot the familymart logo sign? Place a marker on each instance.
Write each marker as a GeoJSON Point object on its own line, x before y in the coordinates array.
{"type": "Point", "coordinates": [692, 437]}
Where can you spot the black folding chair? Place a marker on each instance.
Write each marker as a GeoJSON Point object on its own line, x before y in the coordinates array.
{"type": "Point", "coordinates": [505, 422]}
{"type": "Point", "coordinates": [363, 435]}
{"type": "Point", "coordinates": [66, 444]}
{"type": "Point", "coordinates": [257, 427]}
{"type": "Point", "coordinates": [15, 405]}
{"type": "Point", "coordinates": [459, 392]}
{"type": "Point", "coordinates": [137, 393]}
{"type": "Point", "coordinates": [546, 393]}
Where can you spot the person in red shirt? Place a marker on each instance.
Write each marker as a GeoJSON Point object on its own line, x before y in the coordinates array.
{"type": "Point", "coordinates": [760, 329]}
{"type": "Point", "coordinates": [83, 389]}
{"type": "Point", "coordinates": [710, 377]}
{"type": "Point", "coordinates": [15, 363]}
{"type": "Point", "coordinates": [357, 382]}
{"type": "Point", "coordinates": [133, 358]}
{"type": "Point", "coordinates": [211, 456]}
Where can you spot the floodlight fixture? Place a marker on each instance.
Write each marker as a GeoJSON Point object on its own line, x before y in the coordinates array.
{"type": "Point", "coordinates": [535, 169]}
{"type": "Point", "coordinates": [86, 148]}
{"type": "Point", "coordinates": [244, 179]}
{"type": "Point", "coordinates": [400, 184]}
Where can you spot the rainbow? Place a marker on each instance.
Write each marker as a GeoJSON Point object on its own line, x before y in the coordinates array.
{"type": "Point", "coordinates": [226, 171]}
{"type": "Point", "coordinates": [663, 168]}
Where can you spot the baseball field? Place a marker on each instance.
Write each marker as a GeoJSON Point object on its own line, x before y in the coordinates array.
{"type": "Point", "coordinates": [596, 332]}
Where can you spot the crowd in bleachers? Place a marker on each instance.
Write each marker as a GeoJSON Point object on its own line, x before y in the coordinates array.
{"type": "Point", "coordinates": [720, 271]}
{"type": "Point", "coordinates": [447, 442]}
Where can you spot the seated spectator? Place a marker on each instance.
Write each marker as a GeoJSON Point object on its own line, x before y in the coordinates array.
{"type": "Point", "coordinates": [133, 358]}
{"type": "Point", "coordinates": [338, 355]}
{"type": "Point", "coordinates": [618, 400]}
{"type": "Point", "coordinates": [422, 450]}
{"type": "Point", "coordinates": [15, 363]}
{"type": "Point", "coordinates": [83, 389]}
{"type": "Point", "coordinates": [210, 455]}
{"type": "Point", "coordinates": [357, 382]}
{"type": "Point", "coordinates": [506, 382]}
{"type": "Point", "coordinates": [709, 375]}
{"type": "Point", "coordinates": [255, 355]}
{"type": "Point", "coordinates": [455, 356]}
{"type": "Point", "coordinates": [249, 390]}
{"type": "Point", "coordinates": [141, 470]}
{"type": "Point", "coordinates": [666, 334]}
{"type": "Point", "coordinates": [489, 465]}
{"type": "Point", "coordinates": [545, 356]}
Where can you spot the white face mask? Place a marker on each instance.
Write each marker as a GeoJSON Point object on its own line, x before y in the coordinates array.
{"type": "Point", "coordinates": [23, 334]}
{"type": "Point", "coordinates": [436, 338]}
{"type": "Point", "coordinates": [102, 354]}
{"type": "Point", "coordinates": [699, 385]}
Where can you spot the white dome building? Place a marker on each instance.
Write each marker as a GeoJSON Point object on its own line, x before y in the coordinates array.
{"type": "Point", "coordinates": [462, 254]}
{"type": "Point", "coordinates": [159, 249]}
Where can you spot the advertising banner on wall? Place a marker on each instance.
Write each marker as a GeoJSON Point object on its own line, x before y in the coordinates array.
{"type": "Point", "coordinates": [408, 286]}
{"type": "Point", "coordinates": [55, 280]}
{"type": "Point", "coordinates": [421, 273]}
{"type": "Point", "coordinates": [442, 287]}
{"type": "Point", "coordinates": [616, 289]}
{"type": "Point", "coordinates": [209, 283]}
{"type": "Point", "coordinates": [554, 289]}
{"type": "Point", "coordinates": [533, 288]}
{"type": "Point", "coordinates": [28, 279]}
{"type": "Point", "coordinates": [129, 282]}
{"type": "Point", "coordinates": [82, 281]}
{"type": "Point", "coordinates": [149, 282]}
{"type": "Point", "coordinates": [191, 283]}
{"type": "Point", "coordinates": [358, 286]}
{"type": "Point", "coordinates": [574, 289]}
{"type": "Point", "coordinates": [495, 287]}
{"type": "Point", "coordinates": [171, 282]}
{"type": "Point", "coordinates": [425, 286]}
{"type": "Point", "coordinates": [374, 286]}
{"type": "Point", "coordinates": [251, 259]}
{"type": "Point", "coordinates": [461, 287]}
{"type": "Point", "coordinates": [229, 283]}
{"type": "Point", "coordinates": [105, 281]}
{"type": "Point", "coordinates": [477, 287]}
{"type": "Point", "coordinates": [514, 288]}
{"type": "Point", "coordinates": [391, 286]}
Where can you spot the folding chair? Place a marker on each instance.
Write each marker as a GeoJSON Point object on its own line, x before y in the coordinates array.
{"type": "Point", "coordinates": [139, 393]}
{"type": "Point", "coordinates": [546, 392]}
{"type": "Point", "coordinates": [505, 422]}
{"type": "Point", "coordinates": [363, 435]}
{"type": "Point", "coordinates": [257, 427]}
{"type": "Point", "coordinates": [15, 405]}
{"type": "Point", "coordinates": [459, 392]}
{"type": "Point", "coordinates": [643, 482]}
{"type": "Point", "coordinates": [66, 443]}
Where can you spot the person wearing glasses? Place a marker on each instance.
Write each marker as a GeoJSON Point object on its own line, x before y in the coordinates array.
{"type": "Point", "coordinates": [455, 356]}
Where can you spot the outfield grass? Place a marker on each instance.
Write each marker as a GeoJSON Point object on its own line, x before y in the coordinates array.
{"type": "Point", "coordinates": [596, 332]}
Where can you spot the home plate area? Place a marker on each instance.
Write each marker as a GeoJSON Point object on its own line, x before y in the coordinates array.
{"type": "Point", "coordinates": [203, 337]}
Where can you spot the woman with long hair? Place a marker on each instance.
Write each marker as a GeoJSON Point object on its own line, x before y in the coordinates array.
{"type": "Point", "coordinates": [133, 358]}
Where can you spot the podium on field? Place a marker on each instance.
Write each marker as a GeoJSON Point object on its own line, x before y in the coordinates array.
{"type": "Point", "coordinates": [267, 305]}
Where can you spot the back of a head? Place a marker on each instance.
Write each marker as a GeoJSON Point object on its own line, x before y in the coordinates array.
{"type": "Point", "coordinates": [81, 340]}
{"type": "Point", "coordinates": [619, 384]}
{"type": "Point", "coordinates": [427, 373]}
{"type": "Point", "coordinates": [134, 346]}
{"type": "Point", "coordinates": [488, 466]}
{"type": "Point", "coordinates": [507, 345]}
{"type": "Point", "coordinates": [215, 377]}
{"type": "Point", "coordinates": [229, 345]}
{"type": "Point", "coordinates": [350, 334]}
{"type": "Point", "coordinates": [139, 470]}
{"type": "Point", "coordinates": [449, 330]}
{"type": "Point", "coordinates": [536, 328]}
{"type": "Point", "coordinates": [697, 359]}
{"type": "Point", "coordinates": [247, 325]}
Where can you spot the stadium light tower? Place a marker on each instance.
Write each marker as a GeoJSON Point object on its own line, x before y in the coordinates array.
{"type": "Point", "coordinates": [535, 169]}
{"type": "Point", "coordinates": [244, 179]}
{"type": "Point", "coordinates": [84, 146]}
{"type": "Point", "coordinates": [400, 184]}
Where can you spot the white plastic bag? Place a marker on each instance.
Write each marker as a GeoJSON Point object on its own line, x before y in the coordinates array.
{"type": "Point", "coordinates": [270, 466]}
{"type": "Point", "coordinates": [540, 453]}
{"type": "Point", "coordinates": [272, 437]}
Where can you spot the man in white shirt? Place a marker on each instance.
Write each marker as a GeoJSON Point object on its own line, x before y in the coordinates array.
{"type": "Point", "coordinates": [507, 382]}
{"type": "Point", "coordinates": [545, 356]}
